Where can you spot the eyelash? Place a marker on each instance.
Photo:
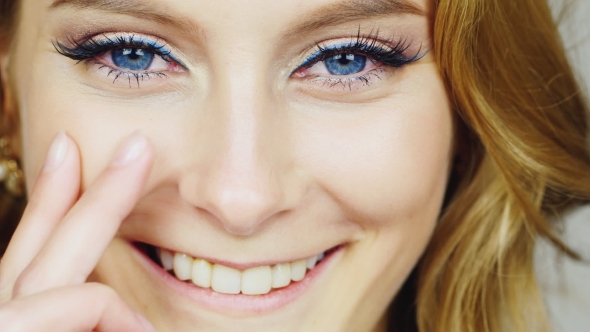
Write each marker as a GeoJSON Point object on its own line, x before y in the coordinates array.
{"type": "Point", "coordinates": [367, 45]}
{"type": "Point", "coordinates": [390, 55]}
{"type": "Point", "coordinates": [92, 48]}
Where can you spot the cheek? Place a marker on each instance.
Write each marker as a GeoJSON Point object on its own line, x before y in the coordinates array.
{"type": "Point", "coordinates": [97, 123]}
{"type": "Point", "coordinates": [391, 164]}
{"type": "Point", "coordinates": [53, 106]}
{"type": "Point", "coordinates": [387, 169]}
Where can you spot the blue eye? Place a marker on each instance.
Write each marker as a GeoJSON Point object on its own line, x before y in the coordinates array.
{"type": "Point", "coordinates": [358, 55]}
{"type": "Point", "coordinates": [132, 58]}
{"type": "Point", "coordinates": [345, 64]}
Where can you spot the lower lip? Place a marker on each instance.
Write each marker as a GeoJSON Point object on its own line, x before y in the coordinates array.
{"type": "Point", "coordinates": [239, 303]}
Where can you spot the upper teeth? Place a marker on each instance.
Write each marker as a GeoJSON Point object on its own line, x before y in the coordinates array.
{"type": "Point", "coordinates": [222, 279]}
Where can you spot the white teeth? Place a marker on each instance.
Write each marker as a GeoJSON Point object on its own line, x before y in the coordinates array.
{"type": "Point", "coordinates": [226, 280]}
{"type": "Point", "coordinates": [298, 270]}
{"type": "Point", "coordinates": [281, 275]}
{"type": "Point", "coordinates": [222, 279]}
{"type": "Point", "coordinates": [311, 262]}
{"type": "Point", "coordinates": [166, 258]}
{"type": "Point", "coordinates": [202, 273]}
{"type": "Point", "coordinates": [257, 280]}
{"type": "Point", "coordinates": [183, 266]}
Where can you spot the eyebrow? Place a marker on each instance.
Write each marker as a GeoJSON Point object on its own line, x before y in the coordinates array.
{"type": "Point", "coordinates": [354, 10]}
{"type": "Point", "coordinates": [328, 15]}
{"type": "Point", "coordinates": [133, 8]}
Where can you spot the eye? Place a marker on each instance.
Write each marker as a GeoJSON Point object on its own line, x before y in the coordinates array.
{"type": "Point", "coordinates": [125, 56]}
{"type": "Point", "coordinates": [137, 61]}
{"type": "Point", "coordinates": [343, 64]}
{"type": "Point", "coordinates": [355, 58]}
{"type": "Point", "coordinates": [346, 68]}
{"type": "Point", "coordinates": [132, 58]}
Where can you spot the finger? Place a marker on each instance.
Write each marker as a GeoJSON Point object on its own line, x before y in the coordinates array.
{"type": "Point", "coordinates": [54, 193]}
{"type": "Point", "coordinates": [84, 234]}
{"type": "Point", "coordinates": [77, 308]}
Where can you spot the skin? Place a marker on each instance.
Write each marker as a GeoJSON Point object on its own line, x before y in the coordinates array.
{"type": "Point", "coordinates": [239, 161]}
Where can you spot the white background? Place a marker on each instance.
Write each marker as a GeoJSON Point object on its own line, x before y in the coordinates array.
{"type": "Point", "coordinates": [566, 283]}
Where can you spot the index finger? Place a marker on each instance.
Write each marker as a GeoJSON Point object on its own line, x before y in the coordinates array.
{"type": "Point", "coordinates": [56, 190]}
{"type": "Point", "coordinates": [81, 238]}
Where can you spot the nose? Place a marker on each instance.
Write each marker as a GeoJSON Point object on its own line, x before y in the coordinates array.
{"type": "Point", "coordinates": [244, 177]}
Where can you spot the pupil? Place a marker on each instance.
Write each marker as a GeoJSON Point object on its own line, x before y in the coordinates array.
{"type": "Point", "coordinates": [345, 60]}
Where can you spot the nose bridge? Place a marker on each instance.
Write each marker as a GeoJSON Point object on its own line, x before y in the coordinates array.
{"type": "Point", "coordinates": [244, 176]}
{"type": "Point", "coordinates": [245, 179]}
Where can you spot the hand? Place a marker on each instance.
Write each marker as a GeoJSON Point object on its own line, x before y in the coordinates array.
{"type": "Point", "coordinates": [61, 238]}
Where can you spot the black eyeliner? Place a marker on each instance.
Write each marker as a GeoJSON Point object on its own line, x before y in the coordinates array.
{"type": "Point", "coordinates": [369, 46]}
{"type": "Point", "coordinates": [92, 47]}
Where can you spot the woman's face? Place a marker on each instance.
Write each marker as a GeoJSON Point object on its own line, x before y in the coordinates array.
{"type": "Point", "coordinates": [282, 130]}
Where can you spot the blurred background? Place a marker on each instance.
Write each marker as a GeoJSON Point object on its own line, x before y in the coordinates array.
{"type": "Point", "coordinates": [566, 283]}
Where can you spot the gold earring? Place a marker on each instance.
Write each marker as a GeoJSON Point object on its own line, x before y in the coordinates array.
{"type": "Point", "coordinates": [10, 172]}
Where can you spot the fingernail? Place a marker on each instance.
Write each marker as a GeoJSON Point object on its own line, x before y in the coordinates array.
{"type": "Point", "coordinates": [145, 323]}
{"type": "Point", "coordinates": [57, 152]}
{"type": "Point", "coordinates": [132, 149]}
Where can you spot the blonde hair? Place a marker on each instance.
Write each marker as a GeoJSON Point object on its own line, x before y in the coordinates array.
{"type": "Point", "coordinates": [507, 73]}
{"type": "Point", "coordinates": [522, 160]}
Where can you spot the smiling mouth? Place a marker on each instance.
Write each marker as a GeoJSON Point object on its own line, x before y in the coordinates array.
{"type": "Point", "coordinates": [258, 280]}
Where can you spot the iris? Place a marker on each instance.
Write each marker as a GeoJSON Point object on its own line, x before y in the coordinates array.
{"type": "Point", "coordinates": [132, 58]}
{"type": "Point", "coordinates": [345, 64]}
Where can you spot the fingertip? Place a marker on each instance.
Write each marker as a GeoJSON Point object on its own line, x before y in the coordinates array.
{"type": "Point", "coordinates": [134, 147]}
{"type": "Point", "coordinates": [61, 166]}
{"type": "Point", "coordinates": [57, 152]}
